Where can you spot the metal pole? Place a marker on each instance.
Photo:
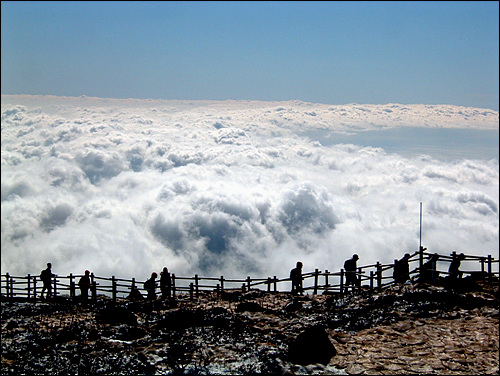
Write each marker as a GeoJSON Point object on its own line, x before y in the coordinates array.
{"type": "Point", "coordinates": [421, 263]}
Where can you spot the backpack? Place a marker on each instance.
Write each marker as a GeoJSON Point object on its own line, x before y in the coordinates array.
{"type": "Point", "coordinates": [147, 284]}
{"type": "Point", "coordinates": [43, 274]}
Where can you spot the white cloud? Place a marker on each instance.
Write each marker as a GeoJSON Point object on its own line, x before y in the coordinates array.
{"type": "Point", "coordinates": [125, 187]}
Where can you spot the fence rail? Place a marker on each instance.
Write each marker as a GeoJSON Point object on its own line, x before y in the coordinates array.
{"type": "Point", "coordinates": [374, 276]}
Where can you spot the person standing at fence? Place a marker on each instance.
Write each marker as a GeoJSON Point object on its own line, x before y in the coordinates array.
{"type": "Point", "coordinates": [429, 273]}
{"type": "Point", "coordinates": [46, 277]}
{"type": "Point", "coordinates": [350, 267]}
{"type": "Point", "coordinates": [84, 284]}
{"type": "Point", "coordinates": [150, 286]}
{"type": "Point", "coordinates": [454, 271]}
{"type": "Point", "coordinates": [402, 269]}
{"type": "Point", "coordinates": [165, 284]}
{"type": "Point", "coordinates": [296, 276]}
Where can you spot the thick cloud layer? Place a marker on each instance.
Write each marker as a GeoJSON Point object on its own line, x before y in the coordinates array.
{"type": "Point", "coordinates": [125, 187]}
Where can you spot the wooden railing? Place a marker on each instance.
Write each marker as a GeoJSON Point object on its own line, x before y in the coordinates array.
{"type": "Point", "coordinates": [374, 276]}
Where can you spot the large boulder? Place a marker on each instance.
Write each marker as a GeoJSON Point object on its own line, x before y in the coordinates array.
{"type": "Point", "coordinates": [115, 316]}
{"type": "Point", "coordinates": [249, 307]}
{"type": "Point", "coordinates": [311, 346]}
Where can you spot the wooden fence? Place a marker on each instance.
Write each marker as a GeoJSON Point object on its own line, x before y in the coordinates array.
{"type": "Point", "coordinates": [375, 276]}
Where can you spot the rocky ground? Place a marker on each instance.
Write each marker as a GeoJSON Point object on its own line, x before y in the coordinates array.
{"type": "Point", "coordinates": [404, 329]}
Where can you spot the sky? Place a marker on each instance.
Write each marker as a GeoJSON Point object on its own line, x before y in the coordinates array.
{"type": "Point", "coordinates": [319, 52]}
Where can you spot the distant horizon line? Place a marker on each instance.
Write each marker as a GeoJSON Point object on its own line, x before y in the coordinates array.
{"type": "Point", "coordinates": [237, 100]}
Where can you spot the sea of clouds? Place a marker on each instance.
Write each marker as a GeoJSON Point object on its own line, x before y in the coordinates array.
{"type": "Point", "coordinates": [233, 188]}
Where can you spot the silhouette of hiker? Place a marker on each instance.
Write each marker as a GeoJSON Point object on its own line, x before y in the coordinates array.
{"type": "Point", "coordinates": [165, 284]}
{"type": "Point", "coordinates": [135, 294]}
{"type": "Point", "coordinates": [296, 276]}
{"type": "Point", "coordinates": [46, 277]}
{"type": "Point", "coordinates": [84, 284]}
{"type": "Point", "coordinates": [429, 274]}
{"type": "Point", "coordinates": [350, 272]}
{"type": "Point", "coordinates": [453, 270]}
{"type": "Point", "coordinates": [150, 286]}
{"type": "Point", "coordinates": [402, 269]}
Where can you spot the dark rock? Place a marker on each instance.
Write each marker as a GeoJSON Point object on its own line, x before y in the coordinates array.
{"type": "Point", "coordinates": [249, 307]}
{"type": "Point", "coordinates": [311, 346]}
{"type": "Point", "coordinates": [254, 294]}
{"type": "Point", "coordinates": [293, 306]}
{"type": "Point", "coordinates": [115, 316]}
{"type": "Point", "coordinates": [180, 319]}
{"type": "Point", "coordinates": [12, 324]}
{"type": "Point", "coordinates": [187, 318]}
{"type": "Point", "coordinates": [231, 296]}
{"type": "Point", "coordinates": [128, 333]}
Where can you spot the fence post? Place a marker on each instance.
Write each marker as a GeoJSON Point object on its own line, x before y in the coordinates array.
{"type": "Point", "coordinates": [275, 284]}
{"type": "Point", "coordinates": [71, 286]}
{"type": "Point", "coordinates": [359, 280]}
{"type": "Point", "coordinates": [341, 282]}
{"type": "Point", "coordinates": [482, 260]}
{"type": "Point", "coordinates": [316, 274]}
{"type": "Point", "coordinates": [421, 259]}
{"type": "Point", "coordinates": [173, 286]}
{"type": "Point", "coordinates": [196, 284]}
{"type": "Point", "coordinates": [191, 288]}
{"type": "Point", "coordinates": [132, 288]}
{"type": "Point", "coordinates": [268, 284]}
{"type": "Point", "coordinates": [93, 287]}
{"type": "Point", "coordinates": [221, 283]}
{"type": "Point", "coordinates": [34, 287]}
{"type": "Point", "coordinates": [113, 288]}
{"type": "Point", "coordinates": [379, 275]}
{"type": "Point", "coordinates": [248, 283]}
{"type": "Point", "coordinates": [29, 286]}
{"type": "Point", "coordinates": [55, 286]}
{"type": "Point", "coordinates": [489, 266]}
{"type": "Point", "coordinates": [371, 280]}
{"type": "Point", "coordinates": [326, 280]}
{"type": "Point", "coordinates": [12, 293]}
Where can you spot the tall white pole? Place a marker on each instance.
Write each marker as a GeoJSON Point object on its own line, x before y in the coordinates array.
{"type": "Point", "coordinates": [420, 250]}
{"type": "Point", "coordinates": [420, 238]}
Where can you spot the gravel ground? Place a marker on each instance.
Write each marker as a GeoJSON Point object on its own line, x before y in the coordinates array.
{"type": "Point", "coordinates": [404, 329]}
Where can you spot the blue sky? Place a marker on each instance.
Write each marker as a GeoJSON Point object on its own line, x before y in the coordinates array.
{"type": "Point", "coordinates": [324, 52]}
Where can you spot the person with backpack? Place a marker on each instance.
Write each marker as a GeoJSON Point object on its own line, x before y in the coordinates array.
{"type": "Point", "coordinates": [296, 277]}
{"type": "Point", "coordinates": [84, 285]}
{"type": "Point", "coordinates": [454, 269]}
{"type": "Point", "coordinates": [429, 273]}
{"type": "Point", "coordinates": [165, 284]}
{"type": "Point", "coordinates": [401, 272]}
{"type": "Point", "coordinates": [150, 286]}
{"type": "Point", "coordinates": [350, 267]}
{"type": "Point", "coordinates": [46, 277]}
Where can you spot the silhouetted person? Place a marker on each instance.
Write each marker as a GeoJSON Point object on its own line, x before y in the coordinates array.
{"type": "Point", "coordinates": [296, 276]}
{"type": "Point", "coordinates": [429, 274]}
{"type": "Point", "coordinates": [165, 284]}
{"type": "Point", "coordinates": [84, 284]}
{"type": "Point", "coordinates": [46, 277]}
{"type": "Point", "coordinates": [135, 294]}
{"type": "Point", "coordinates": [350, 271]}
{"type": "Point", "coordinates": [150, 286]}
{"type": "Point", "coordinates": [455, 266]}
{"type": "Point", "coordinates": [402, 269]}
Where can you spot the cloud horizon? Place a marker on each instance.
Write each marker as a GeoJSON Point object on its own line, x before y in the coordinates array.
{"type": "Point", "coordinates": [233, 188]}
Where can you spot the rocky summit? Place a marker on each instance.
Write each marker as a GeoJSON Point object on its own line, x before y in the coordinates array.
{"type": "Point", "coordinates": [402, 329]}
